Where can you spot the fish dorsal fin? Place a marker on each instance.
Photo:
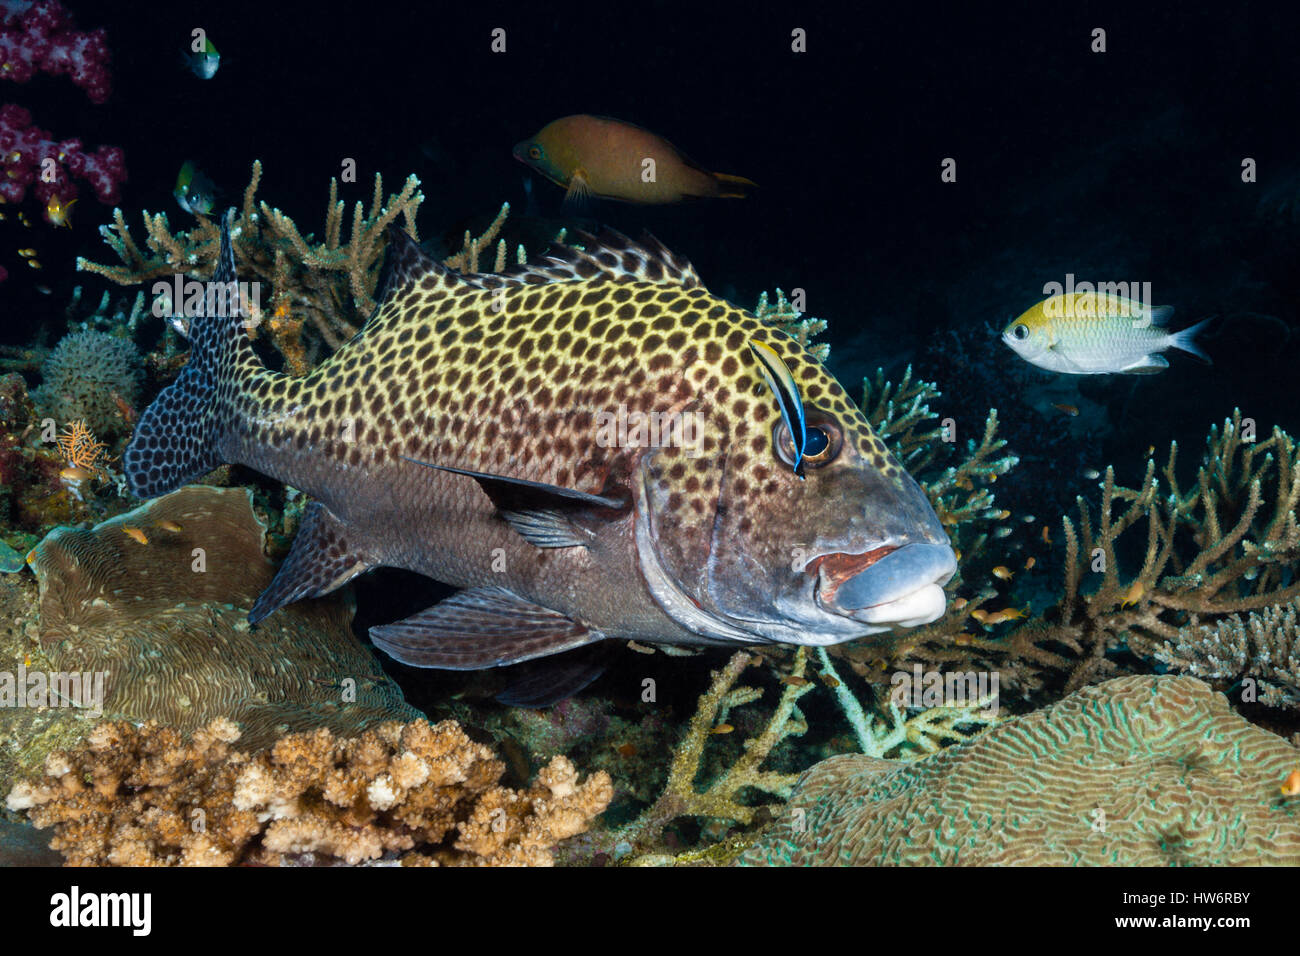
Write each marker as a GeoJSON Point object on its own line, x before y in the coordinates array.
{"type": "Point", "coordinates": [609, 254]}
{"type": "Point", "coordinates": [1161, 315]}
{"type": "Point", "coordinates": [405, 264]}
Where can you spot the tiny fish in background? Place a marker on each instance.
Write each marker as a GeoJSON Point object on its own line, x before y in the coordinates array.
{"type": "Point", "coordinates": [990, 618]}
{"type": "Point", "coordinates": [194, 191]}
{"type": "Point", "coordinates": [204, 64]}
{"type": "Point", "coordinates": [1087, 333]}
{"type": "Point", "coordinates": [1291, 785]}
{"type": "Point", "coordinates": [605, 158]}
{"type": "Point", "coordinates": [135, 534]}
{"type": "Point", "coordinates": [58, 212]}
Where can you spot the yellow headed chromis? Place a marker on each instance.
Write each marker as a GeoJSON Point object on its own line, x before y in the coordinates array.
{"type": "Point", "coordinates": [1091, 333]}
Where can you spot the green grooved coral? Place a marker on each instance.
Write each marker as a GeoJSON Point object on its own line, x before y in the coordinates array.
{"type": "Point", "coordinates": [1137, 771]}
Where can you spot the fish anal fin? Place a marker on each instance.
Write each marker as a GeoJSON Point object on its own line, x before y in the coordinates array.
{"type": "Point", "coordinates": [1147, 365]}
{"type": "Point", "coordinates": [478, 628]}
{"type": "Point", "coordinates": [321, 559]}
{"type": "Point", "coordinates": [545, 682]}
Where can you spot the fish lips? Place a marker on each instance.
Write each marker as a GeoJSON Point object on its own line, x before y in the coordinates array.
{"type": "Point", "coordinates": [892, 584]}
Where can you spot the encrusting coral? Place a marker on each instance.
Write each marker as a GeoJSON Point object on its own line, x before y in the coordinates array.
{"type": "Point", "coordinates": [148, 796]}
{"type": "Point", "coordinates": [157, 600]}
{"type": "Point", "coordinates": [1137, 771]}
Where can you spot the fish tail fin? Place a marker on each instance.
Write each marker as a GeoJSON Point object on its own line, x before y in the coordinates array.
{"type": "Point", "coordinates": [184, 433]}
{"type": "Point", "coordinates": [734, 187]}
{"type": "Point", "coordinates": [1186, 340]}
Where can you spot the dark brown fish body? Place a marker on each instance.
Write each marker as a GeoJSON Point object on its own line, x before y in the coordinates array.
{"type": "Point", "coordinates": [471, 432]}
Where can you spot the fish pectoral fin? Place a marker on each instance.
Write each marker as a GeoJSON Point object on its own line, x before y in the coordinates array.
{"type": "Point", "coordinates": [321, 559]}
{"type": "Point", "coordinates": [549, 529]}
{"type": "Point", "coordinates": [478, 628]}
{"type": "Point", "coordinates": [579, 190]}
{"type": "Point", "coordinates": [520, 494]}
{"type": "Point", "coordinates": [1147, 365]}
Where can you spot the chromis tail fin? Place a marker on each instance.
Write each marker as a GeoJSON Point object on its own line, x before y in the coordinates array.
{"type": "Point", "coordinates": [181, 436]}
{"type": "Point", "coordinates": [734, 187]}
{"type": "Point", "coordinates": [1186, 340]}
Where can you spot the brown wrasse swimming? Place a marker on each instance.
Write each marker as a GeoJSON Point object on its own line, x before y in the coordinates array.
{"type": "Point", "coordinates": [592, 446]}
{"type": "Point", "coordinates": [610, 159]}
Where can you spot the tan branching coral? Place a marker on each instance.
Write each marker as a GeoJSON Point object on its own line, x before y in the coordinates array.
{"type": "Point", "coordinates": [721, 798]}
{"type": "Point", "coordinates": [1145, 563]}
{"type": "Point", "coordinates": [326, 286]}
{"type": "Point", "coordinates": [729, 794]}
{"type": "Point", "coordinates": [136, 796]}
{"type": "Point", "coordinates": [468, 258]}
{"type": "Point", "coordinates": [790, 320]}
{"type": "Point", "coordinates": [1138, 771]}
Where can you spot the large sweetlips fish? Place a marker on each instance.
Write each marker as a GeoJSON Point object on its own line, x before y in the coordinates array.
{"type": "Point", "coordinates": [591, 446]}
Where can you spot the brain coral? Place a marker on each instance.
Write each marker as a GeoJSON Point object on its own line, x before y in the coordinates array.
{"type": "Point", "coordinates": [81, 376]}
{"type": "Point", "coordinates": [1132, 772]}
{"type": "Point", "coordinates": [158, 599]}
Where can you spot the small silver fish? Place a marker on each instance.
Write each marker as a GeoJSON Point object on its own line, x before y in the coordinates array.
{"type": "Point", "coordinates": [1089, 333]}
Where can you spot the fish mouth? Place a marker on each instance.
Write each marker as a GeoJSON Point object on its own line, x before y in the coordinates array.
{"type": "Point", "coordinates": [889, 585]}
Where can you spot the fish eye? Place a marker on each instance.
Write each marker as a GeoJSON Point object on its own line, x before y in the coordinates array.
{"type": "Point", "coordinates": [1021, 332]}
{"type": "Point", "coordinates": [534, 152]}
{"type": "Point", "coordinates": [817, 443]}
{"type": "Point", "coordinates": [821, 445]}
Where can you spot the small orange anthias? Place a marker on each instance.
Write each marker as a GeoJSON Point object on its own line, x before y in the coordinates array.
{"type": "Point", "coordinates": [1291, 785]}
{"type": "Point", "coordinates": [83, 454]}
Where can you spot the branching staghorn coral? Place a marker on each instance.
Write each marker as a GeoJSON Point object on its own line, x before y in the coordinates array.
{"type": "Point", "coordinates": [895, 734]}
{"type": "Point", "coordinates": [1263, 646]}
{"type": "Point", "coordinates": [138, 796]}
{"type": "Point", "coordinates": [468, 259]}
{"type": "Point", "coordinates": [326, 286]}
{"type": "Point", "coordinates": [724, 798]}
{"type": "Point", "coordinates": [1146, 563]}
{"type": "Point", "coordinates": [790, 320]}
